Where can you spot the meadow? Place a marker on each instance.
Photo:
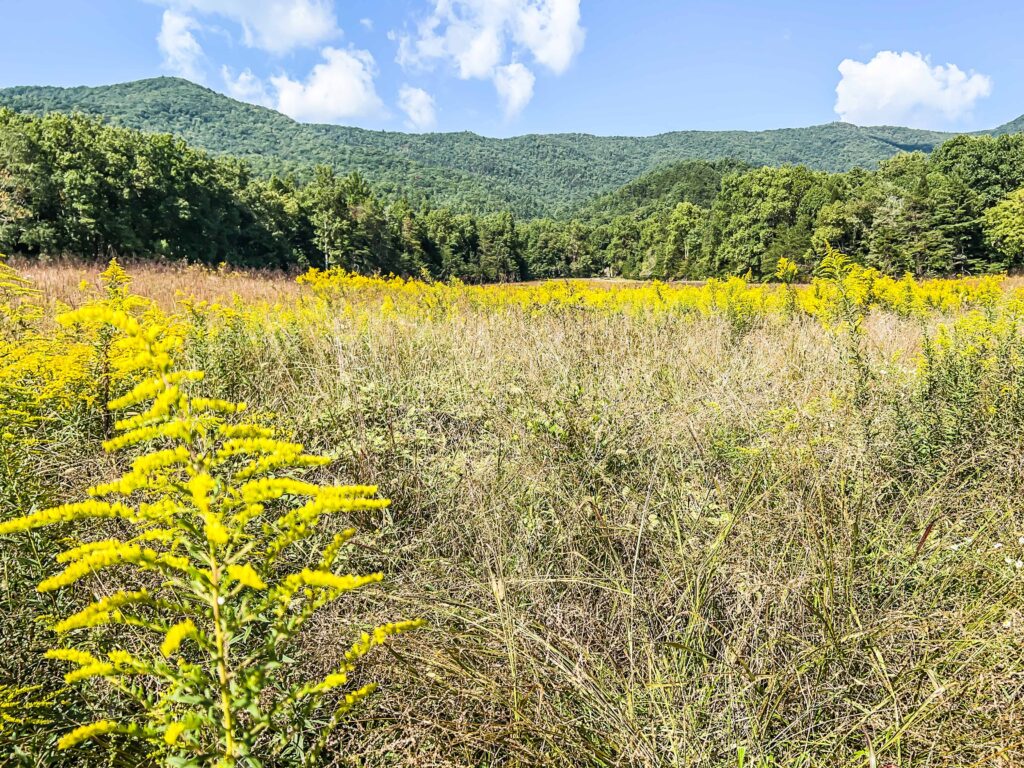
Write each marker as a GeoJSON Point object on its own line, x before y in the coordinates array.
{"type": "Point", "coordinates": [644, 524]}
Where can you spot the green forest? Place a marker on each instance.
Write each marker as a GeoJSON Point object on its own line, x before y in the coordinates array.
{"type": "Point", "coordinates": [530, 176]}
{"type": "Point", "coordinates": [75, 185]}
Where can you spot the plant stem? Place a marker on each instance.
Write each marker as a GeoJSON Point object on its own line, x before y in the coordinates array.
{"type": "Point", "coordinates": [220, 641]}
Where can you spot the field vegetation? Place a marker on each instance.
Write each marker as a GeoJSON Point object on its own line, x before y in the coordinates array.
{"type": "Point", "coordinates": [728, 524]}
{"type": "Point", "coordinates": [75, 186]}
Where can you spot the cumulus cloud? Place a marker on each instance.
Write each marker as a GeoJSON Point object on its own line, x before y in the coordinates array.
{"type": "Point", "coordinates": [418, 106]}
{"type": "Point", "coordinates": [551, 31]}
{"type": "Point", "coordinates": [339, 88]}
{"type": "Point", "coordinates": [478, 37]}
{"type": "Point", "coordinates": [276, 26]}
{"type": "Point", "coordinates": [514, 84]}
{"type": "Point", "coordinates": [905, 89]}
{"type": "Point", "coordinates": [181, 51]}
{"type": "Point", "coordinates": [246, 87]}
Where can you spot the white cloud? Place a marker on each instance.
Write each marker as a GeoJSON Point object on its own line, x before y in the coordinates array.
{"type": "Point", "coordinates": [514, 83]}
{"type": "Point", "coordinates": [905, 89]}
{"type": "Point", "coordinates": [551, 30]}
{"type": "Point", "coordinates": [418, 106]}
{"type": "Point", "coordinates": [368, 23]}
{"type": "Point", "coordinates": [182, 53]}
{"type": "Point", "coordinates": [479, 37]}
{"type": "Point", "coordinates": [277, 26]}
{"type": "Point", "coordinates": [339, 88]}
{"type": "Point", "coordinates": [246, 87]}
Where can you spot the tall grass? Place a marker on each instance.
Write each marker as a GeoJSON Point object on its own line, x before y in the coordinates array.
{"type": "Point", "coordinates": [663, 538]}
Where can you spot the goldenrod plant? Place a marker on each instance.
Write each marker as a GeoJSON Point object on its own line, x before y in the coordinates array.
{"type": "Point", "coordinates": [786, 272]}
{"type": "Point", "coordinates": [842, 286]}
{"type": "Point", "coordinates": [650, 540]}
{"type": "Point", "coordinates": [23, 705]}
{"type": "Point", "coordinates": [18, 417]}
{"type": "Point", "coordinates": [210, 519]}
{"type": "Point", "coordinates": [17, 313]}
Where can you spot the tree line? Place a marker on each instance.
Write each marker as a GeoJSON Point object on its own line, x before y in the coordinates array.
{"type": "Point", "coordinates": [72, 185]}
{"type": "Point", "coordinates": [532, 176]}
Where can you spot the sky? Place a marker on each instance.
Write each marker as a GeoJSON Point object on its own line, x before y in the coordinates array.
{"type": "Point", "coordinates": [508, 67]}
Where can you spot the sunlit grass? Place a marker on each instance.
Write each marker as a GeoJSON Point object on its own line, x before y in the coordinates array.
{"type": "Point", "coordinates": [649, 524]}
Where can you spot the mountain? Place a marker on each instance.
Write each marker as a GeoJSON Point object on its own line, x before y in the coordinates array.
{"type": "Point", "coordinates": [1014, 126]}
{"type": "Point", "coordinates": [533, 175]}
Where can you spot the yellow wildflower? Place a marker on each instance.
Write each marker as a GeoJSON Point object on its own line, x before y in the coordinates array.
{"type": "Point", "coordinates": [87, 732]}
{"type": "Point", "coordinates": [246, 575]}
{"type": "Point", "coordinates": [176, 635]}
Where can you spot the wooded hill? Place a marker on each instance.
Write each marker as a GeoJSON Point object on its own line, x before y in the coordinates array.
{"type": "Point", "coordinates": [529, 176]}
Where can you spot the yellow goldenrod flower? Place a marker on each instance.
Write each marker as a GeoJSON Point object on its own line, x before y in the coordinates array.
{"type": "Point", "coordinates": [101, 611]}
{"type": "Point", "coordinates": [267, 489]}
{"type": "Point", "coordinates": [327, 580]}
{"type": "Point", "coordinates": [332, 550]}
{"type": "Point", "coordinates": [209, 498]}
{"type": "Point", "coordinates": [351, 699]}
{"type": "Point", "coordinates": [66, 513]}
{"type": "Point", "coordinates": [246, 575]}
{"type": "Point", "coordinates": [87, 732]}
{"type": "Point", "coordinates": [100, 314]}
{"type": "Point", "coordinates": [149, 388]}
{"type": "Point", "coordinates": [99, 669]}
{"type": "Point", "coordinates": [174, 732]}
{"type": "Point", "coordinates": [200, 487]}
{"type": "Point", "coordinates": [176, 635]}
{"type": "Point", "coordinates": [226, 407]}
{"type": "Point", "coordinates": [108, 556]}
{"type": "Point", "coordinates": [368, 641]}
{"type": "Point", "coordinates": [73, 655]}
{"type": "Point", "coordinates": [232, 431]}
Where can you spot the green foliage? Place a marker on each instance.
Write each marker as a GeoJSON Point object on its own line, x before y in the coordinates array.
{"type": "Point", "coordinates": [197, 653]}
{"type": "Point", "coordinates": [536, 175]}
{"type": "Point", "coordinates": [1004, 226]}
{"type": "Point", "coordinates": [76, 186]}
{"type": "Point", "coordinates": [510, 209]}
{"type": "Point", "coordinates": [691, 181]}
{"type": "Point", "coordinates": [757, 219]}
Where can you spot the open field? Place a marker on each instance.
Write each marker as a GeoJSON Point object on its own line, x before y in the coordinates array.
{"type": "Point", "coordinates": [164, 284]}
{"type": "Point", "coordinates": [647, 524]}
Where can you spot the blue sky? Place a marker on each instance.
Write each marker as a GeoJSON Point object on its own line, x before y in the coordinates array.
{"type": "Point", "coordinates": [503, 67]}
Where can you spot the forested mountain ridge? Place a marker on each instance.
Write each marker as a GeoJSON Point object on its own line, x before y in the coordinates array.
{"type": "Point", "coordinates": [72, 185]}
{"type": "Point", "coordinates": [1014, 126]}
{"type": "Point", "coordinates": [532, 175]}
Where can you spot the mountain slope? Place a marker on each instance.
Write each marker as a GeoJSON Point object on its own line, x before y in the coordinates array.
{"type": "Point", "coordinates": [1014, 126]}
{"type": "Point", "coordinates": [692, 181]}
{"type": "Point", "coordinates": [533, 175]}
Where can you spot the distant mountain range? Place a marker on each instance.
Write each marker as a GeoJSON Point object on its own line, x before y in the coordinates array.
{"type": "Point", "coordinates": [533, 175]}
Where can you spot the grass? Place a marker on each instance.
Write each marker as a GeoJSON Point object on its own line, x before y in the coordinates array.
{"type": "Point", "coordinates": [647, 539]}
{"type": "Point", "coordinates": [164, 284]}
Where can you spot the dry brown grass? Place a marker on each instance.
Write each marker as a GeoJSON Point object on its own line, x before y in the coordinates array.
{"type": "Point", "coordinates": [648, 542]}
{"type": "Point", "coordinates": [166, 284]}
{"type": "Point", "coordinates": [652, 541]}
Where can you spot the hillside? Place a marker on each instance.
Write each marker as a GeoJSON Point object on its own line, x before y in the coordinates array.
{"type": "Point", "coordinates": [1014, 126]}
{"type": "Point", "coordinates": [531, 175]}
{"type": "Point", "coordinates": [692, 181]}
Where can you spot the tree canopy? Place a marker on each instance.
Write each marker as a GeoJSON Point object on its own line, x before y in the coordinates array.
{"type": "Point", "coordinates": [531, 176]}
{"type": "Point", "coordinates": [74, 185]}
